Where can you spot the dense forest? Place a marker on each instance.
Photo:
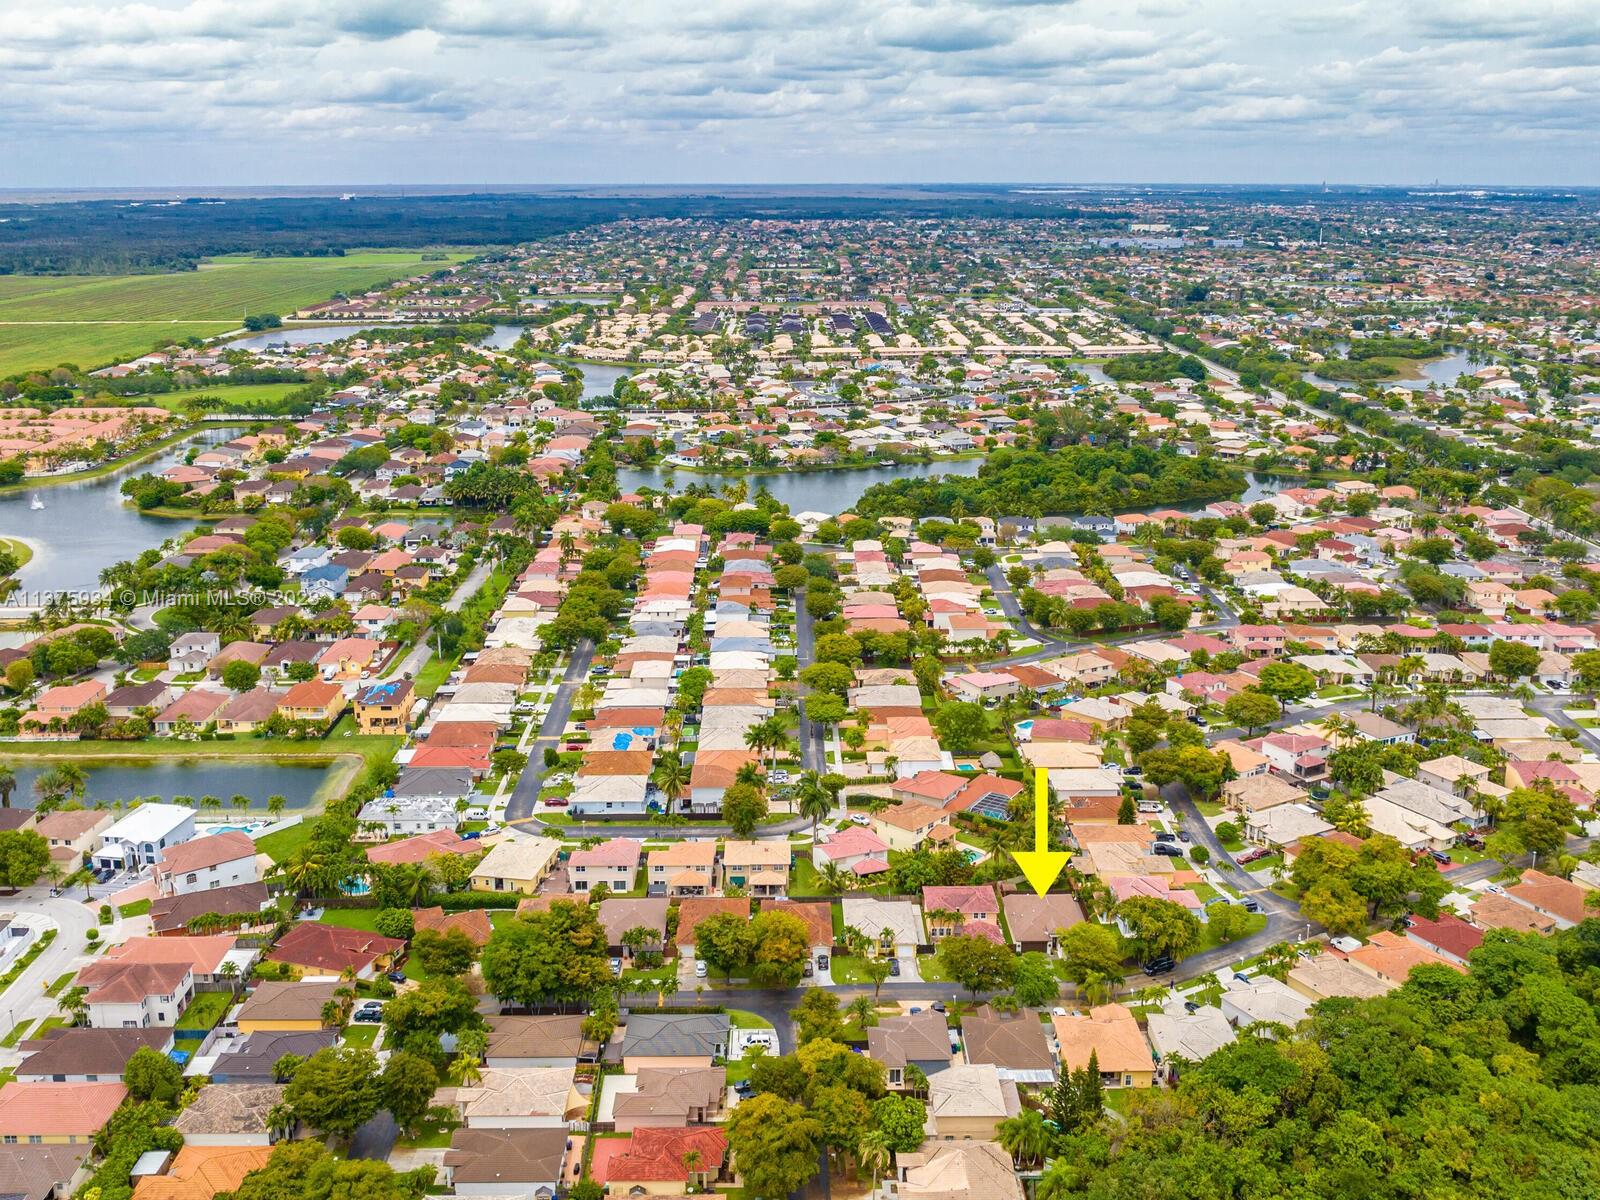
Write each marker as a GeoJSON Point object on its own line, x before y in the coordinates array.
{"type": "Point", "coordinates": [1480, 1085]}
{"type": "Point", "coordinates": [1072, 479]}
{"type": "Point", "coordinates": [111, 237]}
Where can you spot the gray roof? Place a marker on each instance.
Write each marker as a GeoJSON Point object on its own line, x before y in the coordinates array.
{"type": "Point", "coordinates": [253, 1060]}
{"type": "Point", "coordinates": [675, 1035]}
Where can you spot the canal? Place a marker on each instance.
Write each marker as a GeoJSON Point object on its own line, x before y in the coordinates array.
{"type": "Point", "coordinates": [172, 778]}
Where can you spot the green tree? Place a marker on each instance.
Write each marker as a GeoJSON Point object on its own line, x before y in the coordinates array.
{"type": "Point", "coordinates": [306, 1171]}
{"type": "Point", "coordinates": [408, 1084]}
{"type": "Point", "coordinates": [240, 675]}
{"type": "Point", "coordinates": [1228, 922]}
{"type": "Point", "coordinates": [151, 1075]}
{"type": "Point", "coordinates": [24, 855]}
{"type": "Point", "coordinates": [962, 725]}
{"type": "Point", "coordinates": [774, 1144]}
{"type": "Point", "coordinates": [451, 952]}
{"type": "Point", "coordinates": [976, 963]}
{"type": "Point", "coordinates": [817, 1017]}
{"type": "Point", "coordinates": [1513, 660]}
{"type": "Point", "coordinates": [336, 1090]}
{"type": "Point", "coordinates": [1034, 982]}
{"type": "Point", "coordinates": [743, 807]}
{"type": "Point", "coordinates": [1250, 710]}
{"type": "Point", "coordinates": [1158, 928]}
{"type": "Point", "coordinates": [1286, 682]}
{"type": "Point", "coordinates": [1089, 949]}
{"type": "Point", "coordinates": [554, 957]}
{"type": "Point", "coordinates": [902, 1120]}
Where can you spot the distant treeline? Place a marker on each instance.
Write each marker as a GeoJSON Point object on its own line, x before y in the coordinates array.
{"type": "Point", "coordinates": [112, 237]}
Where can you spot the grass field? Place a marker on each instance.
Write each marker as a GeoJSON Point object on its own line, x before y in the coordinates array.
{"type": "Point", "coordinates": [238, 393]}
{"type": "Point", "coordinates": [89, 320]}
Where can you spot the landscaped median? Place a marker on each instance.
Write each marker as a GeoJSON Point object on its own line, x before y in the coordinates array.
{"type": "Point", "coordinates": [27, 959]}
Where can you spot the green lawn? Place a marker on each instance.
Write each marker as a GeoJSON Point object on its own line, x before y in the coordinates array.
{"type": "Point", "coordinates": [137, 909]}
{"type": "Point", "coordinates": [364, 919]}
{"type": "Point", "coordinates": [89, 320]}
{"type": "Point", "coordinates": [741, 1019]}
{"type": "Point", "coordinates": [1209, 940]}
{"type": "Point", "coordinates": [15, 1036]}
{"type": "Point", "coordinates": [433, 673]}
{"type": "Point", "coordinates": [286, 843]}
{"type": "Point", "coordinates": [205, 1010]}
{"type": "Point", "coordinates": [361, 1034]}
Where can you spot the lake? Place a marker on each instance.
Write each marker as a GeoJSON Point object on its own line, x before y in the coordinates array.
{"type": "Point", "coordinates": [1436, 373]}
{"type": "Point", "coordinates": [803, 491]}
{"type": "Point", "coordinates": [317, 335]}
{"type": "Point", "coordinates": [166, 778]}
{"type": "Point", "coordinates": [85, 527]}
{"type": "Point", "coordinates": [836, 491]}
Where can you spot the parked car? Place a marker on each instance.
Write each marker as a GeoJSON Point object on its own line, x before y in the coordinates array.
{"type": "Point", "coordinates": [556, 802]}
{"type": "Point", "coordinates": [1166, 850]}
{"type": "Point", "coordinates": [1250, 856]}
{"type": "Point", "coordinates": [370, 1011]}
{"type": "Point", "coordinates": [1183, 835]}
{"type": "Point", "coordinates": [1164, 836]}
{"type": "Point", "coordinates": [1159, 966]}
{"type": "Point", "coordinates": [822, 962]}
{"type": "Point", "coordinates": [699, 968]}
{"type": "Point", "coordinates": [395, 976]}
{"type": "Point", "coordinates": [894, 966]}
{"type": "Point", "coordinates": [1250, 905]}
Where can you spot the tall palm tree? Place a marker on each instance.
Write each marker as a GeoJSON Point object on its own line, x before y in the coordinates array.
{"type": "Point", "coordinates": [863, 1010]}
{"type": "Point", "coordinates": [275, 806]}
{"type": "Point", "coordinates": [211, 803]}
{"type": "Point", "coordinates": [8, 784]}
{"type": "Point", "coordinates": [1025, 1137]}
{"type": "Point", "coordinates": [691, 1164]}
{"type": "Point", "coordinates": [671, 776]}
{"type": "Point", "coordinates": [872, 1154]}
{"type": "Point", "coordinates": [814, 803]}
{"type": "Point", "coordinates": [240, 802]}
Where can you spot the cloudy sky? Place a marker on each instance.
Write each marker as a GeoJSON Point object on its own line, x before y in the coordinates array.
{"type": "Point", "coordinates": [175, 92]}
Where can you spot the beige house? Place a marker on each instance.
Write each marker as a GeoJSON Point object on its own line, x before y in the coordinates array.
{"type": "Point", "coordinates": [963, 1171]}
{"type": "Point", "coordinates": [907, 826]}
{"type": "Point", "coordinates": [1256, 793]}
{"type": "Point", "coordinates": [682, 869]}
{"type": "Point", "coordinates": [516, 866]}
{"type": "Point", "coordinates": [761, 868]}
{"type": "Point", "coordinates": [73, 836]}
{"type": "Point", "coordinates": [968, 1102]}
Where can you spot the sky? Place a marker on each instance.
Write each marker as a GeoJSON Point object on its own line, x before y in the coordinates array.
{"type": "Point", "coordinates": [257, 92]}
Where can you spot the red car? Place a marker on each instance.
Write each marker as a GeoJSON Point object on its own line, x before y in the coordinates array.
{"type": "Point", "coordinates": [556, 802]}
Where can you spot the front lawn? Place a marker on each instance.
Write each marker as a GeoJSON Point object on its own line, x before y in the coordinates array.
{"type": "Point", "coordinates": [1210, 941]}
{"type": "Point", "coordinates": [741, 1018]}
{"type": "Point", "coordinates": [137, 909]}
{"type": "Point", "coordinates": [205, 1010]}
{"type": "Point", "coordinates": [361, 1034]}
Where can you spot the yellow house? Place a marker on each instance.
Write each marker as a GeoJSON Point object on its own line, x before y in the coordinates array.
{"type": "Point", "coordinates": [385, 707]}
{"type": "Point", "coordinates": [516, 866]}
{"type": "Point", "coordinates": [56, 1114]}
{"type": "Point", "coordinates": [1112, 1035]}
{"type": "Point", "coordinates": [281, 1007]}
{"type": "Point", "coordinates": [907, 825]}
{"type": "Point", "coordinates": [315, 700]}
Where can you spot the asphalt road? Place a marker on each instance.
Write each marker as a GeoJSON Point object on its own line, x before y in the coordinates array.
{"type": "Point", "coordinates": [812, 754]}
{"type": "Point", "coordinates": [519, 807]}
{"type": "Point", "coordinates": [25, 1000]}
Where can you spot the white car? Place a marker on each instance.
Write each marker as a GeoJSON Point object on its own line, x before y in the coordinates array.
{"type": "Point", "coordinates": [699, 968]}
{"type": "Point", "coordinates": [860, 818]}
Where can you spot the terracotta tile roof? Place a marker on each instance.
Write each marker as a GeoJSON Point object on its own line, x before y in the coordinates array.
{"type": "Point", "coordinates": [656, 1155]}
{"type": "Point", "coordinates": [200, 1172]}
{"type": "Point", "coordinates": [332, 948]}
{"type": "Point", "coordinates": [57, 1109]}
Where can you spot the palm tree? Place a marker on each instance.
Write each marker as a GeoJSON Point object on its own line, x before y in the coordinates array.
{"type": "Point", "coordinates": [240, 802]}
{"type": "Point", "coordinates": [1099, 987]}
{"type": "Point", "coordinates": [691, 1164]}
{"type": "Point", "coordinates": [671, 777]}
{"type": "Point", "coordinates": [872, 1154]}
{"type": "Point", "coordinates": [835, 879]}
{"type": "Point", "coordinates": [8, 784]}
{"type": "Point", "coordinates": [275, 806]}
{"type": "Point", "coordinates": [814, 802]}
{"type": "Point", "coordinates": [211, 803]}
{"type": "Point", "coordinates": [1025, 1137]}
{"type": "Point", "coordinates": [864, 1011]}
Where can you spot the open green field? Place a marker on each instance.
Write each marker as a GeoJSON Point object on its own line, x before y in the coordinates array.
{"type": "Point", "coordinates": [89, 320]}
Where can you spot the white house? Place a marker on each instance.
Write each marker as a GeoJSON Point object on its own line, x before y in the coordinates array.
{"type": "Point", "coordinates": [207, 863]}
{"type": "Point", "coordinates": [142, 838]}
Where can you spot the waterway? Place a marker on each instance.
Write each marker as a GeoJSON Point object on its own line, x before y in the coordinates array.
{"type": "Point", "coordinates": [85, 527]}
{"type": "Point", "coordinates": [318, 335]}
{"type": "Point", "coordinates": [836, 491]}
{"type": "Point", "coordinates": [803, 491]}
{"type": "Point", "coordinates": [1436, 373]}
{"type": "Point", "coordinates": [168, 778]}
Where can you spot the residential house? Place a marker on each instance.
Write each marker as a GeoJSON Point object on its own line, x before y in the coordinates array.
{"type": "Point", "coordinates": [1111, 1034]}
{"type": "Point", "coordinates": [968, 1102]}
{"type": "Point", "coordinates": [516, 866]}
{"type": "Point", "coordinates": [206, 864]}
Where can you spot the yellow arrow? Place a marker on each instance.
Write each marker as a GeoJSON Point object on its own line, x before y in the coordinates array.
{"type": "Point", "coordinates": [1041, 865]}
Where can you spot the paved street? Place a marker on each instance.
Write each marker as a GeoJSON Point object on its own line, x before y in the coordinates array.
{"type": "Point", "coordinates": [25, 999]}
{"type": "Point", "coordinates": [526, 794]}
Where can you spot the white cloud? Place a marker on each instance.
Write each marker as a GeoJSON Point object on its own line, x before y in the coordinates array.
{"type": "Point", "coordinates": [98, 91]}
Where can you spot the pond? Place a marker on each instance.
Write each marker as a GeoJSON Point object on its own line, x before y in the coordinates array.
{"type": "Point", "coordinates": [165, 778]}
{"type": "Point", "coordinates": [1436, 373]}
{"type": "Point", "coordinates": [803, 491]}
{"type": "Point", "coordinates": [317, 335]}
{"type": "Point", "coordinates": [85, 527]}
